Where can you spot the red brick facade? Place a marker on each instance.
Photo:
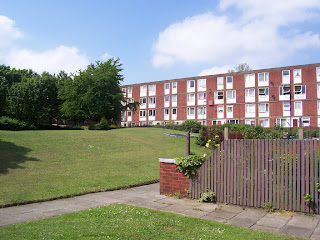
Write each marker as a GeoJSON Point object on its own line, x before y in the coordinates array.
{"type": "Point", "coordinates": [172, 181]}
{"type": "Point", "coordinates": [263, 104]}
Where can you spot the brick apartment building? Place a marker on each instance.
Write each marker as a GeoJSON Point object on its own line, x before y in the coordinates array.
{"type": "Point", "coordinates": [287, 96]}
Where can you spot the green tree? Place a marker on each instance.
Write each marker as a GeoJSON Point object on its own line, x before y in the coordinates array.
{"type": "Point", "coordinates": [34, 99]}
{"type": "Point", "coordinates": [242, 67]}
{"type": "Point", "coordinates": [94, 93]}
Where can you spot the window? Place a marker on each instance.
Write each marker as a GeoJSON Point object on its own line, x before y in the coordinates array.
{"type": "Point", "coordinates": [297, 76]}
{"type": "Point", "coordinates": [202, 96]}
{"type": "Point", "coordinates": [190, 111]}
{"type": "Point", "coordinates": [249, 80]}
{"type": "Point", "coordinates": [250, 122]}
{"type": "Point", "coordinates": [229, 109]}
{"type": "Point", "coordinates": [167, 98]}
{"type": "Point", "coordinates": [202, 110]}
{"type": "Point", "coordinates": [174, 85]}
{"type": "Point", "coordinates": [229, 80]}
{"type": "Point", "coordinates": [191, 84]}
{"type": "Point", "coordinates": [124, 90]}
{"type": "Point", "coordinates": [174, 111]}
{"type": "Point", "coordinates": [174, 98]}
{"type": "Point", "coordinates": [142, 113]}
{"type": "Point", "coordinates": [299, 89]}
{"type": "Point", "coordinates": [152, 113]}
{"type": "Point", "coordinates": [219, 95]}
{"type": "Point", "coordinates": [152, 89]}
{"type": "Point", "coordinates": [166, 111]}
{"type": "Point", "coordinates": [152, 100]}
{"type": "Point", "coordinates": [130, 100]}
{"type": "Point", "coordinates": [263, 107]}
{"type": "Point", "coordinates": [318, 90]}
{"type": "Point", "coordinates": [219, 83]}
{"type": "Point", "coordinates": [263, 91]}
{"type": "Point", "coordinates": [286, 77]}
{"type": "Point", "coordinates": [250, 108]}
{"type": "Point", "coordinates": [167, 86]}
{"type": "Point", "coordinates": [250, 92]}
{"type": "Point", "coordinates": [202, 83]}
{"type": "Point", "coordinates": [220, 109]}
{"type": "Point", "coordinates": [129, 114]}
{"type": "Point", "coordinates": [263, 77]}
{"type": "Point", "coordinates": [143, 89]}
{"type": "Point", "coordinates": [129, 90]}
{"type": "Point", "coordinates": [190, 97]}
{"type": "Point", "coordinates": [284, 92]}
{"type": "Point", "coordinates": [143, 101]}
{"type": "Point", "coordinates": [305, 122]}
{"type": "Point", "coordinates": [286, 106]}
{"type": "Point", "coordinates": [231, 94]}
{"type": "Point", "coordinates": [318, 74]}
{"type": "Point", "coordinates": [233, 121]}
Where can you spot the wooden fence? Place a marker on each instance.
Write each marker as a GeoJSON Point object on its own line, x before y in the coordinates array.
{"type": "Point", "coordinates": [253, 172]}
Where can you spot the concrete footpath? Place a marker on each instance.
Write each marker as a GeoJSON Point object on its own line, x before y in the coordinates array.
{"type": "Point", "coordinates": [148, 196]}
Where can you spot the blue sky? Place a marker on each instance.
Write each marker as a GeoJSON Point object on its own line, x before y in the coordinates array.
{"type": "Point", "coordinates": [159, 40]}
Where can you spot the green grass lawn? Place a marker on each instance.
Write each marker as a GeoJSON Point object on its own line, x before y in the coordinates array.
{"type": "Point", "coordinates": [37, 165]}
{"type": "Point", "coordinates": [127, 222]}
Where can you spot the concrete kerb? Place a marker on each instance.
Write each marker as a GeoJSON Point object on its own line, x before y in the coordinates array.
{"type": "Point", "coordinates": [148, 196]}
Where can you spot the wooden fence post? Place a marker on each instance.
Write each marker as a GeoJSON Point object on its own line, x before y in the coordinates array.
{"type": "Point", "coordinates": [188, 143]}
{"type": "Point", "coordinates": [226, 133]}
{"type": "Point", "coordinates": [300, 132]}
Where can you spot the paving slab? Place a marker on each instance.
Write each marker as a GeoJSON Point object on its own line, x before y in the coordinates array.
{"type": "Point", "coordinates": [194, 213]}
{"type": "Point", "coordinates": [273, 220]}
{"type": "Point", "coordinates": [207, 207]}
{"type": "Point", "coordinates": [315, 236]}
{"type": "Point", "coordinates": [214, 218]}
{"type": "Point", "coordinates": [296, 231]}
{"type": "Point", "coordinates": [264, 228]}
{"type": "Point", "coordinates": [304, 221]}
{"type": "Point", "coordinates": [221, 214]}
{"type": "Point", "coordinates": [169, 201]}
{"type": "Point", "coordinates": [241, 222]}
{"type": "Point", "coordinates": [253, 214]}
{"type": "Point", "coordinates": [176, 208]}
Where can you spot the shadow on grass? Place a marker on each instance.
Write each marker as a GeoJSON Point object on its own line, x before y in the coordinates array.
{"type": "Point", "coordinates": [11, 156]}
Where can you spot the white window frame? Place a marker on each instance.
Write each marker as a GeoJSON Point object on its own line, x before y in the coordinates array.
{"type": "Point", "coordinates": [143, 113]}
{"type": "Point", "coordinates": [220, 111]}
{"type": "Point", "coordinates": [202, 98]}
{"type": "Point", "coordinates": [174, 99]}
{"type": "Point", "coordinates": [174, 87]}
{"type": "Point", "coordinates": [263, 109]}
{"type": "Point", "coordinates": [305, 122]}
{"type": "Point", "coordinates": [250, 110]}
{"type": "Point", "coordinates": [318, 74]}
{"type": "Point", "coordinates": [250, 95]}
{"type": "Point", "coordinates": [297, 76]}
{"type": "Point", "coordinates": [152, 113]}
{"type": "Point", "coordinates": [202, 111]}
{"type": "Point", "coordinates": [152, 100]}
{"type": "Point", "coordinates": [191, 99]}
{"type": "Point", "coordinates": [191, 85]}
{"type": "Point", "coordinates": [143, 102]}
{"type": "Point", "coordinates": [298, 111]}
{"type": "Point", "coordinates": [219, 97]}
{"type": "Point", "coordinates": [143, 90]}
{"type": "Point", "coordinates": [152, 90]}
{"type": "Point", "coordinates": [191, 112]}
{"type": "Point", "coordinates": [285, 77]}
{"type": "Point", "coordinates": [232, 98]}
{"type": "Point", "coordinates": [263, 79]}
{"type": "Point", "coordinates": [202, 84]}
{"type": "Point", "coordinates": [318, 90]}
{"type": "Point", "coordinates": [282, 96]}
{"type": "Point", "coordinates": [286, 109]}
{"type": "Point", "coordinates": [249, 80]}
{"type": "Point", "coordinates": [229, 113]}
{"type": "Point", "coordinates": [166, 100]}
{"type": "Point", "coordinates": [263, 94]}
{"type": "Point", "coordinates": [229, 82]}
{"type": "Point", "coordinates": [220, 85]}
{"type": "Point", "coordinates": [299, 93]}
{"type": "Point", "coordinates": [251, 122]}
{"type": "Point", "coordinates": [129, 94]}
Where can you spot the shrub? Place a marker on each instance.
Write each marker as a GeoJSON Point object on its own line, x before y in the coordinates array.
{"type": "Point", "coordinates": [188, 165]}
{"type": "Point", "coordinates": [102, 125]}
{"type": "Point", "coordinates": [190, 125]}
{"type": "Point", "coordinates": [208, 196]}
{"type": "Point", "coordinates": [7, 123]}
{"type": "Point", "coordinates": [213, 133]}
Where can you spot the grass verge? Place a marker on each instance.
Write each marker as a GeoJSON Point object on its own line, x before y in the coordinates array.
{"type": "Point", "coordinates": [128, 222]}
{"type": "Point", "coordinates": [39, 165]}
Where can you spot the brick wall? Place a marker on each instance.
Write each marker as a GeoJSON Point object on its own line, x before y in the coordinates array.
{"type": "Point", "coordinates": [171, 179]}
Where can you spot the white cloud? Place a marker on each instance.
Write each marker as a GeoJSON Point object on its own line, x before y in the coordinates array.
{"type": "Point", "coordinates": [64, 58]}
{"type": "Point", "coordinates": [216, 70]}
{"type": "Point", "coordinates": [105, 56]}
{"type": "Point", "coordinates": [260, 33]}
{"type": "Point", "coordinates": [8, 31]}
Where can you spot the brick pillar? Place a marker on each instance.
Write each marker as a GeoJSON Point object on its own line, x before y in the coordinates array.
{"type": "Point", "coordinates": [171, 179]}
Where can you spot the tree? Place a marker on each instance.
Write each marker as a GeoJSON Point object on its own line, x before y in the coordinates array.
{"type": "Point", "coordinates": [94, 93]}
{"type": "Point", "coordinates": [34, 99]}
{"type": "Point", "coordinates": [242, 67]}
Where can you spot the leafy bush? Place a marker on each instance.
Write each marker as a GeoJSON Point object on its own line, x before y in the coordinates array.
{"type": "Point", "coordinates": [7, 123]}
{"type": "Point", "coordinates": [188, 165]}
{"type": "Point", "coordinates": [213, 133]}
{"type": "Point", "coordinates": [190, 125]}
{"type": "Point", "coordinates": [102, 125]}
{"type": "Point", "coordinates": [208, 196]}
